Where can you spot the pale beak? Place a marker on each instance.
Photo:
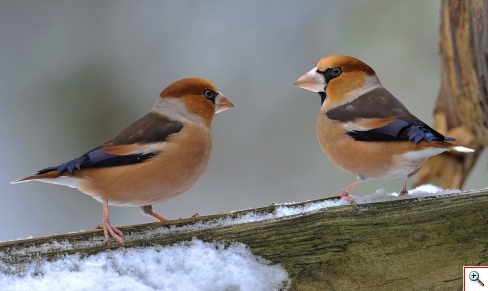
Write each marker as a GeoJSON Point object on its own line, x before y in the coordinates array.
{"type": "Point", "coordinates": [222, 103]}
{"type": "Point", "coordinates": [312, 80]}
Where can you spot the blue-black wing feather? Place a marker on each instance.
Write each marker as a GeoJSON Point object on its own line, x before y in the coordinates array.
{"type": "Point", "coordinates": [152, 128]}
{"type": "Point", "coordinates": [381, 104]}
{"type": "Point", "coordinates": [400, 130]}
{"type": "Point", "coordinates": [97, 158]}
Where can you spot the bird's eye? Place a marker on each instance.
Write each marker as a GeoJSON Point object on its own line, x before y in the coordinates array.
{"type": "Point", "coordinates": [336, 71]}
{"type": "Point", "coordinates": [332, 73]}
{"type": "Point", "coordinates": [209, 94]}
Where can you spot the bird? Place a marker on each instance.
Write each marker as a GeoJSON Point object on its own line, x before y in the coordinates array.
{"type": "Point", "coordinates": [363, 129]}
{"type": "Point", "coordinates": [156, 158]}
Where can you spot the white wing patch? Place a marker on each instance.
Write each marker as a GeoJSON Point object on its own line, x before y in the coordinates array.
{"type": "Point", "coordinates": [351, 126]}
{"type": "Point", "coordinates": [143, 149]}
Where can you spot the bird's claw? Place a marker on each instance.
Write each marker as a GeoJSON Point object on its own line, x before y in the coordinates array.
{"type": "Point", "coordinates": [109, 229]}
{"type": "Point", "coordinates": [345, 195]}
{"type": "Point", "coordinates": [193, 216]}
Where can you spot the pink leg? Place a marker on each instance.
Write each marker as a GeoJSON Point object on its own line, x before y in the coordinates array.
{"type": "Point", "coordinates": [404, 191]}
{"type": "Point", "coordinates": [158, 217]}
{"type": "Point", "coordinates": [345, 192]}
{"type": "Point", "coordinates": [148, 210]}
{"type": "Point", "coordinates": [107, 227]}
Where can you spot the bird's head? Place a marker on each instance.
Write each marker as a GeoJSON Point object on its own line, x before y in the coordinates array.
{"type": "Point", "coordinates": [199, 96]}
{"type": "Point", "coordinates": [338, 79]}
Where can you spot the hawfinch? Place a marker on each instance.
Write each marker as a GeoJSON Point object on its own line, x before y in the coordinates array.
{"type": "Point", "coordinates": [156, 158]}
{"type": "Point", "coordinates": [364, 129]}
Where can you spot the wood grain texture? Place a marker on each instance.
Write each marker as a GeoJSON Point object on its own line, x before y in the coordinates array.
{"type": "Point", "coordinates": [414, 244]}
{"type": "Point", "coordinates": [462, 103]}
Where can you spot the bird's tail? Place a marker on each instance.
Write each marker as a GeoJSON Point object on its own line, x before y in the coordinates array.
{"type": "Point", "coordinates": [47, 175]}
{"type": "Point", "coordinates": [461, 149]}
{"type": "Point", "coordinates": [448, 146]}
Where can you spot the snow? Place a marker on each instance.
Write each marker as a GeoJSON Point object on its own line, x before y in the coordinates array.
{"type": "Point", "coordinates": [420, 192]}
{"type": "Point", "coordinates": [194, 265]}
{"type": "Point", "coordinates": [188, 266]}
{"type": "Point", "coordinates": [379, 196]}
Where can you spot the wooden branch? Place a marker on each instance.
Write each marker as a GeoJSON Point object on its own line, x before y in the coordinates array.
{"type": "Point", "coordinates": [462, 104]}
{"type": "Point", "coordinates": [413, 244]}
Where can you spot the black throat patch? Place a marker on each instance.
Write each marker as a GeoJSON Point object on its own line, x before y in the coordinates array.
{"type": "Point", "coordinates": [323, 96]}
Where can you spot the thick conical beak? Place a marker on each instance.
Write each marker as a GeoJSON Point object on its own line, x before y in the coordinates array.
{"type": "Point", "coordinates": [311, 80]}
{"type": "Point", "coordinates": [222, 103]}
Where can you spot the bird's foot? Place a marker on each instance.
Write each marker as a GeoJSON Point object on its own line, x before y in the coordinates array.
{"type": "Point", "coordinates": [345, 192]}
{"type": "Point", "coordinates": [193, 216]}
{"type": "Point", "coordinates": [404, 190]}
{"type": "Point", "coordinates": [109, 229]}
{"type": "Point", "coordinates": [345, 195]}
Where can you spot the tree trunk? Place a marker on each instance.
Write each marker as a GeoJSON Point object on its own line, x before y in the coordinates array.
{"type": "Point", "coordinates": [462, 105]}
{"type": "Point", "coordinates": [414, 244]}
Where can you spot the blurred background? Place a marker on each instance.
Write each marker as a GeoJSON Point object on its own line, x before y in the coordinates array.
{"type": "Point", "coordinates": [73, 74]}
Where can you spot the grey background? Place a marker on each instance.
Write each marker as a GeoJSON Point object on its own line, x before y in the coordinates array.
{"type": "Point", "coordinates": [75, 73]}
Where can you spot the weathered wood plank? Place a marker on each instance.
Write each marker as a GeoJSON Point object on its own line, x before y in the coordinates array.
{"type": "Point", "coordinates": [413, 244]}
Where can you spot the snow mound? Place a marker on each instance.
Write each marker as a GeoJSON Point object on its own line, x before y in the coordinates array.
{"type": "Point", "coordinates": [187, 266]}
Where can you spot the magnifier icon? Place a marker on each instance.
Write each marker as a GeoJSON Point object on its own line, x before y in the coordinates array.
{"type": "Point", "coordinates": [475, 277]}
